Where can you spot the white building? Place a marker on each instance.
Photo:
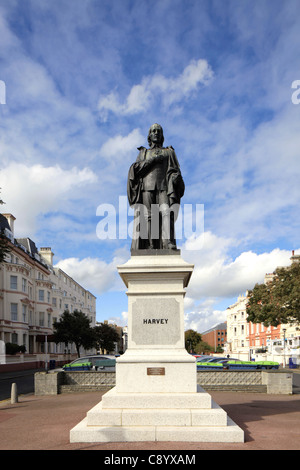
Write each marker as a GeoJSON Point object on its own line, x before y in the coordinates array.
{"type": "Point", "coordinates": [238, 329]}
{"type": "Point", "coordinates": [254, 340]}
{"type": "Point", "coordinates": [33, 294]}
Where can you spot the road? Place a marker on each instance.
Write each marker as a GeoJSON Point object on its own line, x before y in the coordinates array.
{"type": "Point", "coordinates": [25, 382]}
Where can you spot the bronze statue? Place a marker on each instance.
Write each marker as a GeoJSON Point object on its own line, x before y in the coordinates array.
{"type": "Point", "coordinates": [154, 188]}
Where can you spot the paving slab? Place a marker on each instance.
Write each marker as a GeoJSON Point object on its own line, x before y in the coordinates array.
{"type": "Point", "coordinates": [270, 422]}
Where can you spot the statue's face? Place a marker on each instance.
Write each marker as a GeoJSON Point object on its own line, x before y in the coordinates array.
{"type": "Point", "coordinates": [155, 134]}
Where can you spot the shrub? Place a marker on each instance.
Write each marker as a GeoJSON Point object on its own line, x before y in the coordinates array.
{"type": "Point", "coordinates": [12, 348]}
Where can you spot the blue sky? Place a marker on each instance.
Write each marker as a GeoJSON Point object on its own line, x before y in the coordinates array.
{"type": "Point", "coordinates": [85, 79]}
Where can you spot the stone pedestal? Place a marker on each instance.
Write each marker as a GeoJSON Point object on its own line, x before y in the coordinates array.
{"type": "Point", "coordinates": [156, 396]}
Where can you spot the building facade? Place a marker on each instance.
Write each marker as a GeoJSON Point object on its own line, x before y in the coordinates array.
{"type": "Point", "coordinates": [33, 294]}
{"type": "Point", "coordinates": [246, 340]}
{"type": "Point", "coordinates": [243, 337]}
{"type": "Point", "coordinates": [216, 336]}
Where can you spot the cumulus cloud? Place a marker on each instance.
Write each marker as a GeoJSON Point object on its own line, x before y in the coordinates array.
{"type": "Point", "coordinates": [203, 318]}
{"type": "Point", "coordinates": [92, 272]}
{"type": "Point", "coordinates": [95, 274]}
{"type": "Point", "coordinates": [34, 190]}
{"type": "Point", "coordinates": [119, 145]}
{"type": "Point", "coordinates": [217, 276]}
{"type": "Point", "coordinates": [121, 320]}
{"type": "Point", "coordinates": [168, 90]}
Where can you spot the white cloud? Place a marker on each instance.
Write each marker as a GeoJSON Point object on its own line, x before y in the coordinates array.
{"type": "Point", "coordinates": [33, 190]}
{"type": "Point", "coordinates": [217, 275]}
{"type": "Point", "coordinates": [119, 321]}
{"type": "Point", "coordinates": [169, 90]}
{"type": "Point", "coordinates": [95, 274]}
{"type": "Point", "coordinates": [203, 318]}
{"type": "Point", "coordinates": [119, 146]}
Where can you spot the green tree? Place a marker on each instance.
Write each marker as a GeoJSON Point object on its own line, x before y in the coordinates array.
{"type": "Point", "coordinates": [74, 328]}
{"type": "Point", "coordinates": [277, 301]}
{"type": "Point", "coordinates": [106, 337]}
{"type": "Point", "coordinates": [192, 338]}
{"type": "Point", "coordinates": [4, 248]}
{"type": "Point", "coordinates": [202, 348]}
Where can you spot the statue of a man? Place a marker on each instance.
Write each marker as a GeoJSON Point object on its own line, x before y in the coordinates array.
{"type": "Point", "coordinates": [155, 185]}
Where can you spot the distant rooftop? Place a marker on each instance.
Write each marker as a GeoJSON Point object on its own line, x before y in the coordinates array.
{"type": "Point", "coordinates": [219, 326]}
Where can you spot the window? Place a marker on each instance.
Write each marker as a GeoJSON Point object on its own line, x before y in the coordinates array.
{"type": "Point", "coordinates": [24, 313]}
{"type": "Point", "coordinates": [49, 320]}
{"type": "Point", "coordinates": [14, 282]}
{"type": "Point", "coordinates": [24, 285]}
{"type": "Point", "coordinates": [14, 312]}
{"type": "Point", "coordinates": [54, 301]}
{"type": "Point", "coordinates": [14, 338]}
{"type": "Point", "coordinates": [48, 297]}
{"type": "Point", "coordinates": [41, 319]}
{"type": "Point", "coordinates": [41, 295]}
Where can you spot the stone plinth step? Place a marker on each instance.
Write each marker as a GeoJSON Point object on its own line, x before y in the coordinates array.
{"type": "Point", "coordinates": [113, 399]}
{"type": "Point", "coordinates": [99, 416]}
{"type": "Point", "coordinates": [84, 433]}
{"type": "Point", "coordinates": [131, 417]}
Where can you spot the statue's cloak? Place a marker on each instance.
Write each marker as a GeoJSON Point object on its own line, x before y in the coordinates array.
{"type": "Point", "coordinates": [139, 169]}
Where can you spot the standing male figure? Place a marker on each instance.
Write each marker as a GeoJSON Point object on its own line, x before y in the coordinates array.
{"type": "Point", "coordinates": [155, 182]}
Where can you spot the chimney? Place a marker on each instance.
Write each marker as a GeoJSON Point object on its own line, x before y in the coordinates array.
{"type": "Point", "coordinates": [47, 255]}
{"type": "Point", "coordinates": [295, 258]}
{"type": "Point", "coordinates": [10, 219]}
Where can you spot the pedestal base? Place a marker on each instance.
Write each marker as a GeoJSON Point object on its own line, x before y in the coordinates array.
{"type": "Point", "coordinates": [156, 396]}
{"type": "Point", "coordinates": [132, 417]}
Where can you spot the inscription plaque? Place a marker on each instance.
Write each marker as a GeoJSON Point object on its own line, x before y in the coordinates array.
{"type": "Point", "coordinates": [156, 321]}
{"type": "Point", "coordinates": [156, 371]}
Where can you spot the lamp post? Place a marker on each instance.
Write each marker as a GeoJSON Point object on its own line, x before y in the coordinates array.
{"type": "Point", "coordinates": [46, 353]}
{"type": "Point", "coordinates": [284, 330]}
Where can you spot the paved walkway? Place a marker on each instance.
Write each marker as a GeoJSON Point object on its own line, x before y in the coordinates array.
{"type": "Point", "coordinates": [270, 422]}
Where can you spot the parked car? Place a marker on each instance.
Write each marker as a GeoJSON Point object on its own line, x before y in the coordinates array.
{"type": "Point", "coordinates": [213, 359]}
{"type": "Point", "coordinates": [203, 358]}
{"type": "Point", "coordinates": [217, 359]}
{"type": "Point", "coordinates": [100, 363]}
{"type": "Point", "coordinates": [252, 365]}
{"type": "Point", "coordinates": [230, 363]}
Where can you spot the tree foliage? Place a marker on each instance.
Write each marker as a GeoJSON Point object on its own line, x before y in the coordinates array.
{"type": "Point", "coordinates": [192, 338]}
{"type": "Point", "coordinates": [4, 248]}
{"type": "Point", "coordinates": [278, 301]}
{"type": "Point", "coordinates": [203, 347]}
{"type": "Point", "coordinates": [106, 337]}
{"type": "Point", "coordinates": [74, 328]}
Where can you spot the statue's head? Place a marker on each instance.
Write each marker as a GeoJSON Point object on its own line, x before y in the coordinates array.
{"type": "Point", "coordinates": [156, 135]}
